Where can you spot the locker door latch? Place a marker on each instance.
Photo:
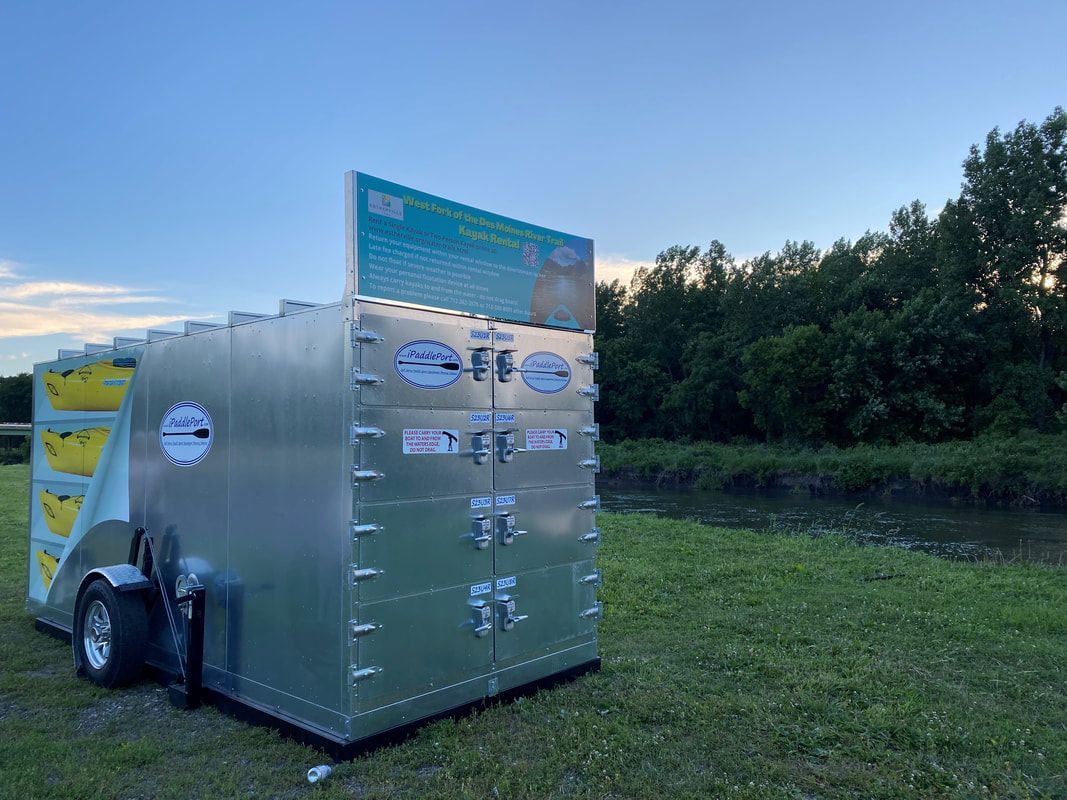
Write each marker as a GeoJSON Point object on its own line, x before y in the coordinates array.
{"type": "Point", "coordinates": [482, 532]}
{"type": "Point", "coordinates": [482, 446]}
{"type": "Point", "coordinates": [481, 363]}
{"type": "Point", "coordinates": [505, 443]}
{"type": "Point", "coordinates": [505, 526]}
{"type": "Point", "coordinates": [508, 617]}
{"type": "Point", "coordinates": [505, 365]}
{"type": "Point", "coordinates": [483, 618]}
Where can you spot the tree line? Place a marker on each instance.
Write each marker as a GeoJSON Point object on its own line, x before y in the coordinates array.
{"type": "Point", "coordinates": [943, 327]}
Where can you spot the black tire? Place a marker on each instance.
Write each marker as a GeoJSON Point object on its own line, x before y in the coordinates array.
{"type": "Point", "coordinates": [129, 634]}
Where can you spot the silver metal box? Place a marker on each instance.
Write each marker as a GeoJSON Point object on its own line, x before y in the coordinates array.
{"type": "Point", "coordinates": [392, 509]}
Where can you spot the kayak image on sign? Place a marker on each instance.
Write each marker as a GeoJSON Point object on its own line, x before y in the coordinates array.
{"type": "Point", "coordinates": [546, 373]}
{"type": "Point", "coordinates": [546, 438]}
{"type": "Point", "coordinates": [185, 434]}
{"type": "Point", "coordinates": [420, 441]}
{"type": "Point", "coordinates": [427, 364]}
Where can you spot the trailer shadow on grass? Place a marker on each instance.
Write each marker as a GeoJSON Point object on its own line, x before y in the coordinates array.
{"type": "Point", "coordinates": [735, 665]}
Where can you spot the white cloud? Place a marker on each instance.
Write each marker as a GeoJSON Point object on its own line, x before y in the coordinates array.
{"type": "Point", "coordinates": [610, 267]}
{"type": "Point", "coordinates": [48, 288]}
{"type": "Point", "coordinates": [86, 311]}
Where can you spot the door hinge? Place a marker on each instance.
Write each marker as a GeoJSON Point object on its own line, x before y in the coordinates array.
{"type": "Point", "coordinates": [363, 475]}
{"type": "Point", "coordinates": [595, 612]}
{"type": "Point", "coordinates": [364, 529]}
{"type": "Point", "coordinates": [590, 463]}
{"type": "Point", "coordinates": [592, 578]}
{"type": "Point", "coordinates": [591, 505]}
{"type": "Point", "coordinates": [362, 674]}
{"type": "Point", "coordinates": [364, 337]}
{"type": "Point", "coordinates": [592, 391]}
{"type": "Point", "coordinates": [590, 359]}
{"type": "Point", "coordinates": [593, 537]}
{"type": "Point", "coordinates": [360, 432]}
{"type": "Point", "coordinates": [362, 629]}
{"type": "Point", "coordinates": [365, 574]}
{"type": "Point", "coordinates": [360, 379]}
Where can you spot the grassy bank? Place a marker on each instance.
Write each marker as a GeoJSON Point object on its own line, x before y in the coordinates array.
{"type": "Point", "coordinates": [735, 665]}
{"type": "Point", "coordinates": [1028, 469]}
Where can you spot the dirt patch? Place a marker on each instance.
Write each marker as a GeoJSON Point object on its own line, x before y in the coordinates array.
{"type": "Point", "coordinates": [131, 711]}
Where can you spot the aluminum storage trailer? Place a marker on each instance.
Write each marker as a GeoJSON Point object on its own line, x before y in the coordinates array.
{"type": "Point", "coordinates": [347, 518]}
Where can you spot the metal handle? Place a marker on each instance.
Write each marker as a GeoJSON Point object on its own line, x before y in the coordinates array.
{"type": "Point", "coordinates": [483, 539]}
{"type": "Point", "coordinates": [482, 630]}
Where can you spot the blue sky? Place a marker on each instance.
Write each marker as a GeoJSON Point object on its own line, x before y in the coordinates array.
{"type": "Point", "coordinates": [161, 162]}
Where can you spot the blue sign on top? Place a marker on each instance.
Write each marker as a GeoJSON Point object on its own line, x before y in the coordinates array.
{"type": "Point", "coordinates": [413, 247]}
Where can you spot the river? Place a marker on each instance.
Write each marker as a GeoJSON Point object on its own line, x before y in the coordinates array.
{"type": "Point", "coordinates": [934, 526]}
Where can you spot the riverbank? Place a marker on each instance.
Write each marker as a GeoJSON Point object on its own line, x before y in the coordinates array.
{"type": "Point", "coordinates": [735, 665]}
{"type": "Point", "coordinates": [1027, 470]}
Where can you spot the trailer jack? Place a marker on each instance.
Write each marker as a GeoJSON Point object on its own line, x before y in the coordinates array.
{"type": "Point", "coordinates": [187, 693]}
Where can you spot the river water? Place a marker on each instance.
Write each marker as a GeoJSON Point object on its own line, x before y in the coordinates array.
{"type": "Point", "coordinates": [933, 526]}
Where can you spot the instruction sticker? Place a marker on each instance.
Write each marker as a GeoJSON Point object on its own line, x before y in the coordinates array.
{"type": "Point", "coordinates": [421, 441]}
{"type": "Point", "coordinates": [546, 438]}
{"type": "Point", "coordinates": [503, 419]}
{"type": "Point", "coordinates": [427, 364]}
{"type": "Point", "coordinates": [481, 502]}
{"type": "Point", "coordinates": [505, 583]}
{"type": "Point", "coordinates": [505, 499]}
{"type": "Point", "coordinates": [481, 588]}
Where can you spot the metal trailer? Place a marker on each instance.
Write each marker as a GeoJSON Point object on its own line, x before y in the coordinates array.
{"type": "Point", "coordinates": [344, 519]}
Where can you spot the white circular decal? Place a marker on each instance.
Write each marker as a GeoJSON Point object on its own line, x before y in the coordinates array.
{"type": "Point", "coordinates": [185, 434]}
{"type": "Point", "coordinates": [546, 373]}
{"type": "Point", "coordinates": [428, 364]}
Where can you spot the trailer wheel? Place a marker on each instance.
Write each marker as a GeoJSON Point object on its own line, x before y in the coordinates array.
{"type": "Point", "coordinates": [110, 632]}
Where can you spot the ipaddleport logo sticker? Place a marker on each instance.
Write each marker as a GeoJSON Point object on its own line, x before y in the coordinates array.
{"type": "Point", "coordinates": [387, 205]}
{"type": "Point", "coordinates": [546, 373]}
{"type": "Point", "coordinates": [427, 364]}
{"type": "Point", "coordinates": [186, 434]}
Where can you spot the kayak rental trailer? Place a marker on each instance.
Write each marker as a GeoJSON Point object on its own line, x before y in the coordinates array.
{"type": "Point", "coordinates": [340, 519]}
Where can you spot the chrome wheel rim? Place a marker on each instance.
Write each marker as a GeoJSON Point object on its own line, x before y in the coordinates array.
{"type": "Point", "coordinates": [96, 635]}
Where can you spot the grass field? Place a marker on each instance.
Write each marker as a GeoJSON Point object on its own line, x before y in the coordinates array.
{"type": "Point", "coordinates": [1029, 468]}
{"type": "Point", "coordinates": [735, 665]}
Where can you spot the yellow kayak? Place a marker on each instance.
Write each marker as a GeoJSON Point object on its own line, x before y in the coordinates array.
{"type": "Point", "coordinates": [60, 510]}
{"type": "Point", "coordinates": [99, 386]}
{"type": "Point", "coordinates": [74, 452]}
{"type": "Point", "coordinates": [48, 566]}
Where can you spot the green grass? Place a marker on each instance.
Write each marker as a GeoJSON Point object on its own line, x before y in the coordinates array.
{"type": "Point", "coordinates": [1027, 468]}
{"type": "Point", "coordinates": [735, 665]}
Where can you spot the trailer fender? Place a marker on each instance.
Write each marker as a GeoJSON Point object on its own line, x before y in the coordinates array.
{"type": "Point", "coordinates": [124, 577]}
